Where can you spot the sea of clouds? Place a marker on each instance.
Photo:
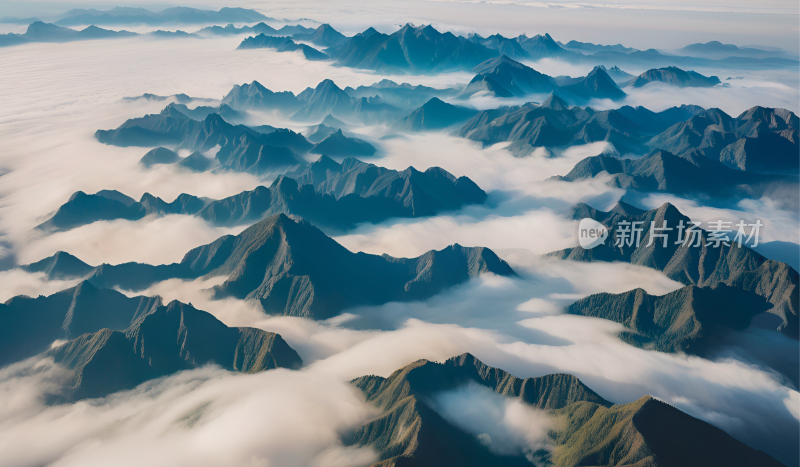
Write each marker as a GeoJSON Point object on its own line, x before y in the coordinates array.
{"type": "Point", "coordinates": [56, 95]}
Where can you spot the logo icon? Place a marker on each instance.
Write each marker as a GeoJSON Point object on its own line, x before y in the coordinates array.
{"type": "Point", "coordinates": [591, 233]}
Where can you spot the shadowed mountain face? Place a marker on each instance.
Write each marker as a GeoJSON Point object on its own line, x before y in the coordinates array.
{"type": "Point", "coordinates": [685, 320]}
{"type": "Point", "coordinates": [166, 340]}
{"type": "Point", "coordinates": [504, 77]}
{"type": "Point", "coordinates": [586, 429]}
{"type": "Point", "coordinates": [214, 143]}
{"type": "Point", "coordinates": [82, 209]}
{"type": "Point", "coordinates": [159, 156]}
{"type": "Point", "coordinates": [618, 75]}
{"type": "Point", "coordinates": [255, 96]}
{"type": "Point", "coordinates": [28, 326]}
{"type": "Point", "coordinates": [705, 265]}
{"type": "Point", "coordinates": [596, 85]}
{"type": "Point", "coordinates": [291, 268]}
{"type": "Point", "coordinates": [555, 124]}
{"type": "Point", "coordinates": [338, 145]}
{"type": "Point", "coordinates": [503, 45]}
{"type": "Point", "coordinates": [676, 77]}
{"type": "Point", "coordinates": [328, 99]}
{"type": "Point", "coordinates": [414, 50]}
{"type": "Point", "coordinates": [315, 104]}
{"type": "Point", "coordinates": [339, 196]}
{"type": "Point", "coordinates": [281, 44]}
{"type": "Point", "coordinates": [760, 139]}
{"type": "Point", "coordinates": [691, 174]}
{"type": "Point", "coordinates": [403, 96]}
{"type": "Point", "coordinates": [61, 265]}
{"type": "Point", "coordinates": [539, 47]}
{"type": "Point", "coordinates": [434, 115]}
{"type": "Point", "coordinates": [326, 193]}
{"type": "Point", "coordinates": [323, 36]}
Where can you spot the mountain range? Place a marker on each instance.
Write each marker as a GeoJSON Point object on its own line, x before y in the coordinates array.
{"type": "Point", "coordinates": [332, 195]}
{"type": "Point", "coordinates": [314, 104]}
{"type": "Point", "coordinates": [555, 124]}
{"type": "Point", "coordinates": [108, 361]}
{"type": "Point", "coordinates": [676, 77]}
{"type": "Point", "coordinates": [690, 174]}
{"type": "Point", "coordinates": [403, 96]}
{"type": "Point", "coordinates": [703, 265]}
{"type": "Point", "coordinates": [423, 49]}
{"type": "Point", "coordinates": [100, 334]}
{"type": "Point", "coordinates": [411, 430]}
{"type": "Point", "coordinates": [411, 49]}
{"type": "Point", "coordinates": [175, 15]}
{"type": "Point", "coordinates": [761, 139]}
{"type": "Point", "coordinates": [291, 268]}
{"type": "Point", "coordinates": [46, 32]}
{"type": "Point", "coordinates": [31, 325]}
{"type": "Point", "coordinates": [718, 50]}
{"type": "Point", "coordinates": [323, 36]}
{"type": "Point", "coordinates": [687, 320]}
{"type": "Point", "coordinates": [217, 145]}
{"type": "Point", "coordinates": [281, 44]}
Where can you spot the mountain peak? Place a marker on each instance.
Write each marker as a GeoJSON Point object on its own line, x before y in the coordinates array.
{"type": "Point", "coordinates": [627, 209]}
{"type": "Point", "coordinates": [555, 103]}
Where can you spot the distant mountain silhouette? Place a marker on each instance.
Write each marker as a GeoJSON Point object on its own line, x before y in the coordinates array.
{"type": "Point", "coordinates": [718, 50]}
{"type": "Point", "coordinates": [337, 144]}
{"type": "Point", "coordinates": [503, 45]}
{"type": "Point", "coordinates": [434, 115]}
{"type": "Point", "coordinates": [176, 15]}
{"type": "Point", "coordinates": [323, 36]}
{"type": "Point", "coordinates": [281, 44]}
{"type": "Point", "coordinates": [39, 31]}
{"type": "Point", "coordinates": [231, 30]}
{"type": "Point", "coordinates": [403, 96]}
{"type": "Point", "coordinates": [618, 75]}
{"type": "Point", "coordinates": [588, 48]}
{"type": "Point", "coordinates": [412, 49]}
{"type": "Point", "coordinates": [539, 47]}
{"type": "Point", "coordinates": [675, 77]}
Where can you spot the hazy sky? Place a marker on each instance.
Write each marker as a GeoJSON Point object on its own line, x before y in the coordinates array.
{"type": "Point", "coordinates": [641, 24]}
